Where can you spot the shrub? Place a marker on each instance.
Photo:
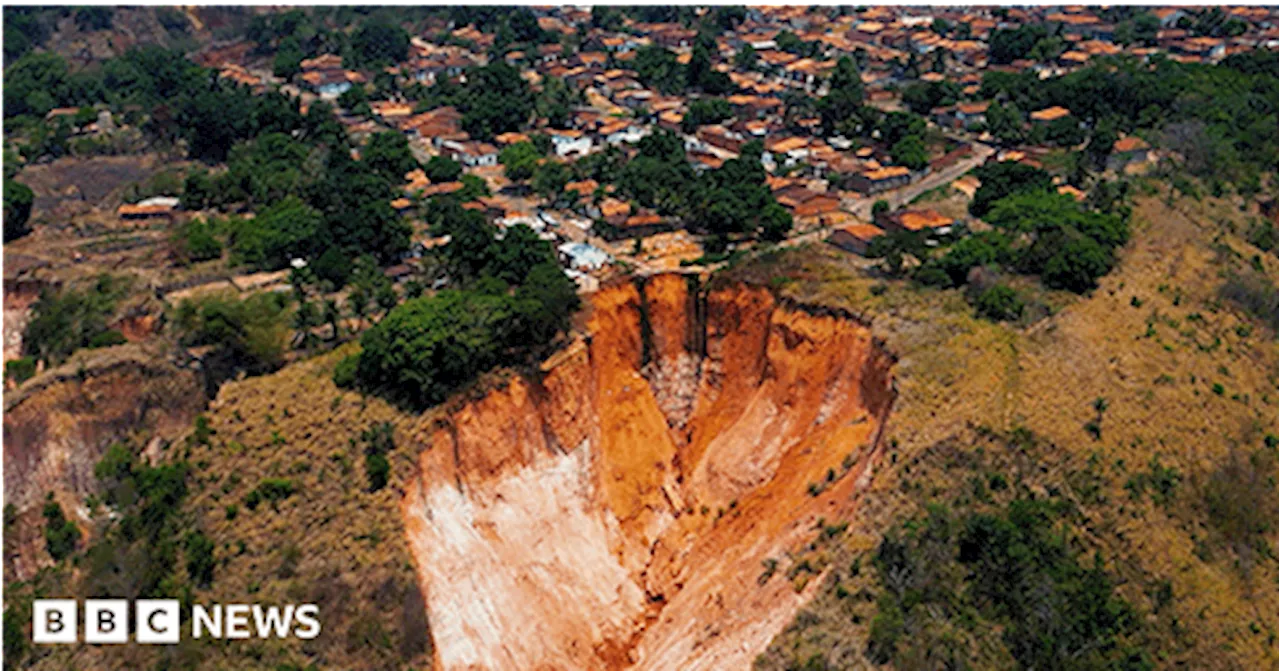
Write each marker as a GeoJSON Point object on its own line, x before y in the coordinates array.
{"type": "Point", "coordinates": [251, 333]}
{"type": "Point", "coordinates": [196, 242]}
{"type": "Point", "coordinates": [344, 374]}
{"type": "Point", "coordinates": [60, 534]}
{"type": "Point", "coordinates": [999, 303]}
{"type": "Point", "coordinates": [20, 370]}
{"type": "Point", "coordinates": [65, 321]}
{"type": "Point", "coordinates": [272, 490]}
{"type": "Point", "coordinates": [200, 562]}
{"type": "Point", "coordinates": [108, 338]}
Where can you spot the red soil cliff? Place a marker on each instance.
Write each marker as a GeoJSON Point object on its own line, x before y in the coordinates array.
{"type": "Point", "coordinates": [615, 513]}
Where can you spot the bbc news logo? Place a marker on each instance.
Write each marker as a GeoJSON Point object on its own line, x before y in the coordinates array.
{"type": "Point", "coordinates": [156, 621]}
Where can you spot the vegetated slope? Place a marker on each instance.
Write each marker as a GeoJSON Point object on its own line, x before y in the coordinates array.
{"type": "Point", "coordinates": [628, 506]}
{"type": "Point", "coordinates": [278, 479]}
{"type": "Point", "coordinates": [57, 427]}
{"type": "Point", "coordinates": [1148, 407]}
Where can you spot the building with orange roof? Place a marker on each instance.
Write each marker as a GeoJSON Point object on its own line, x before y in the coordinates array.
{"type": "Point", "coordinates": [855, 238]}
{"type": "Point", "coordinates": [880, 179]}
{"type": "Point", "coordinates": [915, 221]}
{"type": "Point", "coordinates": [1126, 151]}
{"type": "Point", "coordinates": [1049, 114]}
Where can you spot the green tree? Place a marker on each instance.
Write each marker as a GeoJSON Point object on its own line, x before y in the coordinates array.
{"type": "Point", "coordinates": [999, 303]}
{"type": "Point", "coordinates": [389, 155]}
{"type": "Point", "coordinates": [378, 43]}
{"type": "Point", "coordinates": [1077, 264]}
{"type": "Point", "coordinates": [200, 560]}
{"type": "Point", "coordinates": [287, 230]}
{"type": "Point", "coordinates": [910, 152]}
{"type": "Point", "coordinates": [60, 534]}
{"type": "Point", "coordinates": [1005, 178]}
{"type": "Point", "coordinates": [706, 111]}
{"type": "Point", "coordinates": [1004, 122]}
{"type": "Point", "coordinates": [17, 209]}
{"type": "Point", "coordinates": [519, 161]}
{"type": "Point", "coordinates": [64, 321]}
{"type": "Point", "coordinates": [442, 169]}
{"type": "Point", "coordinates": [195, 242]}
{"type": "Point", "coordinates": [250, 334]}
{"type": "Point", "coordinates": [288, 59]}
{"type": "Point", "coordinates": [844, 97]}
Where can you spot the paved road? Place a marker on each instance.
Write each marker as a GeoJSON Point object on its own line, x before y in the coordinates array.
{"type": "Point", "coordinates": [899, 197]}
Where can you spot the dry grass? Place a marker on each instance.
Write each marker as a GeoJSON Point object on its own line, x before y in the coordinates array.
{"type": "Point", "coordinates": [333, 543]}
{"type": "Point", "coordinates": [1156, 361]}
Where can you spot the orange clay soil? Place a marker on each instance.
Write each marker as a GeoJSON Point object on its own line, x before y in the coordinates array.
{"type": "Point", "coordinates": [618, 512]}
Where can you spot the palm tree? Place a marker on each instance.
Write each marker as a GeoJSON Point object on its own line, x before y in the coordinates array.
{"type": "Point", "coordinates": [331, 317]}
{"type": "Point", "coordinates": [304, 319]}
{"type": "Point", "coordinates": [358, 304]}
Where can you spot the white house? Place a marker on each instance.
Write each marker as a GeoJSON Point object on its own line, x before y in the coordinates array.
{"type": "Point", "coordinates": [568, 142]}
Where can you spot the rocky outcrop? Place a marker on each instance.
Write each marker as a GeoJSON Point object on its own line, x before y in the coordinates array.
{"type": "Point", "coordinates": [615, 511]}
{"type": "Point", "coordinates": [59, 424]}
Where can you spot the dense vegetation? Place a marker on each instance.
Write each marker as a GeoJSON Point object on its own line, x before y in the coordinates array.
{"type": "Point", "coordinates": [75, 317]}
{"type": "Point", "coordinates": [1036, 231]}
{"type": "Point", "coordinates": [732, 200]}
{"type": "Point", "coordinates": [250, 333]}
{"type": "Point", "coordinates": [948, 582]}
{"type": "Point", "coordinates": [512, 302]}
{"type": "Point", "coordinates": [1220, 118]}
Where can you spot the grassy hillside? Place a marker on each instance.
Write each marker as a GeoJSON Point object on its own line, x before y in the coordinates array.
{"type": "Point", "coordinates": [1145, 412]}
{"type": "Point", "coordinates": [278, 489]}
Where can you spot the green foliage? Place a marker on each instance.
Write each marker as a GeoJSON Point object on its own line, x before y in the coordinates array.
{"type": "Point", "coordinates": [377, 44]}
{"type": "Point", "coordinates": [248, 334]}
{"type": "Point", "coordinates": [999, 303]}
{"type": "Point", "coordinates": [287, 230]}
{"type": "Point", "coordinates": [108, 338]}
{"type": "Point", "coordinates": [658, 68]}
{"type": "Point", "coordinates": [704, 111]}
{"type": "Point", "coordinates": [964, 579]}
{"type": "Point", "coordinates": [1161, 481]}
{"type": "Point", "coordinates": [199, 554]}
{"type": "Point", "coordinates": [344, 374]}
{"type": "Point", "coordinates": [910, 152]}
{"type": "Point", "coordinates": [94, 18]}
{"type": "Point", "coordinates": [194, 242]}
{"type": "Point", "coordinates": [519, 161]}
{"type": "Point", "coordinates": [842, 105]}
{"type": "Point", "coordinates": [388, 154]}
{"type": "Point", "coordinates": [427, 347]}
{"type": "Point", "coordinates": [1076, 264]}
{"type": "Point", "coordinates": [271, 490]}
{"type": "Point", "coordinates": [1263, 235]}
{"type": "Point", "coordinates": [62, 322]}
{"type": "Point", "coordinates": [60, 534]}
{"type": "Point", "coordinates": [135, 553]}
{"type": "Point", "coordinates": [922, 97]}
{"type": "Point", "coordinates": [379, 440]}
{"type": "Point", "coordinates": [17, 209]}
{"type": "Point", "coordinates": [20, 370]}
{"type": "Point", "coordinates": [1010, 45]}
{"type": "Point", "coordinates": [442, 169]}
{"type": "Point", "coordinates": [1004, 179]}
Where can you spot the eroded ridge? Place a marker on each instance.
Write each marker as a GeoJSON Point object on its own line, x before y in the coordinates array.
{"type": "Point", "coordinates": [615, 513]}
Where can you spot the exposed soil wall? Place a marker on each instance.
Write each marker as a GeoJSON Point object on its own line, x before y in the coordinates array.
{"type": "Point", "coordinates": [615, 513]}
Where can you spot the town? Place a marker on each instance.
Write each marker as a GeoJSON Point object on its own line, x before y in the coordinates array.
{"type": "Point", "coordinates": [644, 337]}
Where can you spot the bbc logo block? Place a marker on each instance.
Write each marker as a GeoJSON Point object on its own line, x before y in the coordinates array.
{"type": "Point", "coordinates": [156, 621]}
{"type": "Point", "coordinates": [53, 621]}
